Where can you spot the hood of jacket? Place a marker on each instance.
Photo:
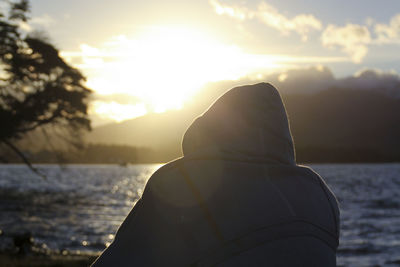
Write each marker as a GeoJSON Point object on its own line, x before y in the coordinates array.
{"type": "Point", "coordinates": [246, 123]}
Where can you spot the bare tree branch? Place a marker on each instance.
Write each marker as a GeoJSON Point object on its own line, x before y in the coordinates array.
{"type": "Point", "coordinates": [25, 159]}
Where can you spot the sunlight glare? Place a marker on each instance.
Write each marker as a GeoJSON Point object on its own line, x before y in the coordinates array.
{"type": "Point", "coordinates": [117, 112]}
{"type": "Point", "coordinates": [165, 66]}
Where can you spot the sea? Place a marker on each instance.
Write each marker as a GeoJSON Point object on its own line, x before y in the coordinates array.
{"type": "Point", "coordinates": [78, 208]}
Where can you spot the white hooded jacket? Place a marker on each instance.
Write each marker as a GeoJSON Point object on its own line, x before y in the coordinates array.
{"type": "Point", "coordinates": [236, 197]}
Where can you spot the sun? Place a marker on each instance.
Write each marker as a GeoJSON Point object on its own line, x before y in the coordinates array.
{"type": "Point", "coordinates": [167, 65]}
{"type": "Point", "coordinates": [163, 67]}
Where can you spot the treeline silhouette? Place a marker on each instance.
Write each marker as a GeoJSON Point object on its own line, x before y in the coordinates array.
{"type": "Point", "coordinates": [122, 155]}
{"type": "Point", "coordinates": [93, 154]}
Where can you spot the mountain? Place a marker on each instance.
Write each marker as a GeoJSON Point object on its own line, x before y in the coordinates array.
{"type": "Point", "coordinates": [328, 125]}
{"type": "Point", "coordinates": [351, 119]}
{"type": "Point", "coordinates": [158, 131]}
{"type": "Point", "coordinates": [345, 125]}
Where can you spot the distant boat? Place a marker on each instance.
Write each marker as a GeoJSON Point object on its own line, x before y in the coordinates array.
{"type": "Point", "coordinates": [124, 164]}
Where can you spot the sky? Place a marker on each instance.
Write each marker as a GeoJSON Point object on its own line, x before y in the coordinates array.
{"type": "Point", "coordinates": [153, 55]}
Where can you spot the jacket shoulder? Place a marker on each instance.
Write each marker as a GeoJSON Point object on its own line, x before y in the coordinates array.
{"type": "Point", "coordinates": [330, 196]}
{"type": "Point", "coordinates": [160, 174]}
{"type": "Point", "coordinates": [167, 186]}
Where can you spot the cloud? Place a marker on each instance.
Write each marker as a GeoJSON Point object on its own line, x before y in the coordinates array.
{"type": "Point", "coordinates": [352, 38]}
{"type": "Point", "coordinates": [317, 78]}
{"type": "Point", "coordinates": [302, 24]}
{"type": "Point", "coordinates": [90, 57]}
{"type": "Point", "coordinates": [355, 39]}
{"type": "Point", "coordinates": [239, 13]}
{"type": "Point", "coordinates": [44, 21]}
{"type": "Point", "coordinates": [373, 79]}
{"type": "Point", "coordinates": [120, 98]}
{"type": "Point", "coordinates": [388, 33]}
{"type": "Point", "coordinates": [309, 79]}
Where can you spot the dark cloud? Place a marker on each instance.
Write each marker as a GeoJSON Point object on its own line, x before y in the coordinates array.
{"type": "Point", "coordinates": [303, 80]}
{"type": "Point", "coordinates": [386, 82]}
{"type": "Point", "coordinates": [318, 78]}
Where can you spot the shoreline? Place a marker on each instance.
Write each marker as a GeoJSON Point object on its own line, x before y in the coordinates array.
{"type": "Point", "coordinates": [52, 260]}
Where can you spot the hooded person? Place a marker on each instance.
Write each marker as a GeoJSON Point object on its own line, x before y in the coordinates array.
{"type": "Point", "coordinates": [236, 197]}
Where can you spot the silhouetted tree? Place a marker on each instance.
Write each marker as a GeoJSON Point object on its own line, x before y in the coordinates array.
{"type": "Point", "coordinates": [38, 88]}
